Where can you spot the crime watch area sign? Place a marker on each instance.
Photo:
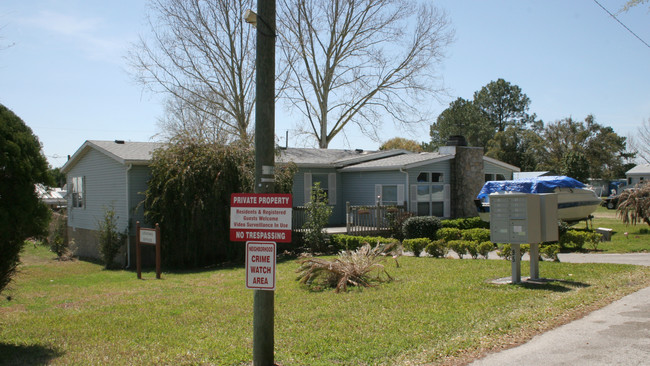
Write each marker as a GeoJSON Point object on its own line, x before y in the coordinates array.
{"type": "Point", "coordinates": [260, 265]}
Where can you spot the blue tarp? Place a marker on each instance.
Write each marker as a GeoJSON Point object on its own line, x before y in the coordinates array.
{"type": "Point", "coordinates": [529, 185]}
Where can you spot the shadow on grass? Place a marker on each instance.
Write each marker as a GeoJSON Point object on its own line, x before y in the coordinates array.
{"type": "Point", "coordinates": [555, 285]}
{"type": "Point", "coordinates": [11, 354]}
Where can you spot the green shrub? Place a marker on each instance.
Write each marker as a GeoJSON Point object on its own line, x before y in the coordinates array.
{"type": "Point", "coordinates": [421, 227]}
{"type": "Point", "coordinates": [472, 248]}
{"type": "Point", "coordinates": [506, 251]}
{"type": "Point", "coordinates": [575, 240]}
{"type": "Point", "coordinates": [459, 246]}
{"type": "Point", "coordinates": [416, 245]}
{"type": "Point", "coordinates": [476, 234]}
{"type": "Point", "coordinates": [110, 240]}
{"type": "Point", "coordinates": [550, 251]}
{"type": "Point", "coordinates": [449, 234]}
{"type": "Point", "coordinates": [466, 223]}
{"type": "Point", "coordinates": [484, 248]}
{"type": "Point", "coordinates": [396, 222]}
{"type": "Point", "coordinates": [317, 213]}
{"type": "Point", "coordinates": [57, 238]}
{"type": "Point", "coordinates": [353, 242]}
{"type": "Point", "coordinates": [437, 248]}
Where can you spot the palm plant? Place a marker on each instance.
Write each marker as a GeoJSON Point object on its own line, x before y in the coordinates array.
{"type": "Point", "coordinates": [634, 204]}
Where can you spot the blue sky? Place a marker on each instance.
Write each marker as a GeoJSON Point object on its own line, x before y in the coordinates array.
{"type": "Point", "coordinates": [66, 77]}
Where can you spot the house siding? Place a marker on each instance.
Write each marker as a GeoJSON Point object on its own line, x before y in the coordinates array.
{"type": "Point", "coordinates": [104, 180]}
{"type": "Point", "coordinates": [490, 168]}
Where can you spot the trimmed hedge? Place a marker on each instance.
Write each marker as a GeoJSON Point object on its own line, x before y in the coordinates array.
{"type": "Point", "coordinates": [449, 234]}
{"type": "Point", "coordinates": [416, 245]}
{"type": "Point", "coordinates": [477, 234]}
{"type": "Point", "coordinates": [437, 249]}
{"type": "Point", "coordinates": [575, 240]}
{"type": "Point", "coordinates": [351, 242]}
{"type": "Point", "coordinates": [421, 227]}
{"type": "Point", "coordinates": [466, 223]}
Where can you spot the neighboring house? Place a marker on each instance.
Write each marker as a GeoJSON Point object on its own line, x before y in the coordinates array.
{"type": "Point", "coordinates": [444, 183]}
{"type": "Point", "coordinates": [113, 174]}
{"type": "Point", "coordinates": [104, 175]}
{"type": "Point", "coordinates": [54, 198]}
{"type": "Point", "coordinates": [638, 174]}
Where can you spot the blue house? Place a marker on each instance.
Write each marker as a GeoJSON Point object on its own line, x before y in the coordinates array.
{"type": "Point", "coordinates": [443, 183]}
{"type": "Point", "coordinates": [113, 174]}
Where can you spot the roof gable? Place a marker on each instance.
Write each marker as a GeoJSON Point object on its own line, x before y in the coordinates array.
{"type": "Point", "coordinates": [124, 152]}
{"type": "Point", "coordinates": [640, 169]}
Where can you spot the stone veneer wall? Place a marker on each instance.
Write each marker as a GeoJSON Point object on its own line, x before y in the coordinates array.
{"type": "Point", "coordinates": [467, 180]}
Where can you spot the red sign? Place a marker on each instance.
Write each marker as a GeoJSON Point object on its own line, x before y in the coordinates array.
{"type": "Point", "coordinates": [260, 216]}
{"type": "Point", "coordinates": [260, 265]}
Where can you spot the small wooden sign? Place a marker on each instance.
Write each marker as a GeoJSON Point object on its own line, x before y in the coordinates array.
{"type": "Point", "coordinates": [147, 237]}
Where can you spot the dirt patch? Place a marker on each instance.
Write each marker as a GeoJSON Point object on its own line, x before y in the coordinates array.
{"type": "Point", "coordinates": [605, 215]}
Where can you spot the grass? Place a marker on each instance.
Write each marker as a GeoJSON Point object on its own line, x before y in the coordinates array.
{"type": "Point", "coordinates": [634, 242]}
{"type": "Point", "coordinates": [437, 309]}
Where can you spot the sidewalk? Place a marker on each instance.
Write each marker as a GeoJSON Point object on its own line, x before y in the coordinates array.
{"type": "Point", "coordinates": [618, 334]}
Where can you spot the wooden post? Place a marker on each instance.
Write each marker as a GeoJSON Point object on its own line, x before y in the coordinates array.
{"type": "Point", "coordinates": [138, 254]}
{"type": "Point", "coordinates": [158, 250]}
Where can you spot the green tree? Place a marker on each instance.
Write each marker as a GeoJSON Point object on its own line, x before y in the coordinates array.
{"type": "Point", "coordinates": [57, 177]}
{"type": "Point", "coordinates": [518, 146]}
{"type": "Point", "coordinates": [604, 150]}
{"type": "Point", "coordinates": [504, 104]}
{"type": "Point", "coordinates": [462, 117]}
{"type": "Point", "coordinates": [401, 143]}
{"type": "Point", "coordinates": [575, 165]}
{"type": "Point", "coordinates": [22, 215]}
{"type": "Point", "coordinates": [189, 196]}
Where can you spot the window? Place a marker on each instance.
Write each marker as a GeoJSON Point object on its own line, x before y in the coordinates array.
{"type": "Point", "coordinates": [327, 183]}
{"type": "Point", "coordinates": [497, 176]}
{"type": "Point", "coordinates": [389, 195]}
{"type": "Point", "coordinates": [78, 197]}
{"type": "Point", "coordinates": [430, 196]}
{"type": "Point", "coordinates": [427, 177]}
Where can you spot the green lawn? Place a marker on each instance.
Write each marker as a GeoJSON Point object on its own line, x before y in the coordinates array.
{"type": "Point", "coordinates": [635, 241]}
{"type": "Point", "coordinates": [78, 313]}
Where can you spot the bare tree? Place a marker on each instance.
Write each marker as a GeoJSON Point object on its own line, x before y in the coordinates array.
{"type": "Point", "coordinates": [200, 53]}
{"type": "Point", "coordinates": [640, 142]}
{"type": "Point", "coordinates": [360, 61]}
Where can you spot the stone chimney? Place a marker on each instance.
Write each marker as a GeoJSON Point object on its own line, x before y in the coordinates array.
{"type": "Point", "coordinates": [467, 176]}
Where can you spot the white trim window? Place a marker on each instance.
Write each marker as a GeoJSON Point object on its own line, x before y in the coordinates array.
{"type": "Point", "coordinates": [430, 196]}
{"type": "Point", "coordinates": [389, 194]}
{"type": "Point", "coordinates": [492, 176]}
{"type": "Point", "coordinates": [78, 189]}
{"type": "Point", "coordinates": [327, 184]}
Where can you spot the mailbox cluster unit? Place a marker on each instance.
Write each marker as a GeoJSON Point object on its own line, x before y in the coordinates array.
{"type": "Point", "coordinates": [523, 218]}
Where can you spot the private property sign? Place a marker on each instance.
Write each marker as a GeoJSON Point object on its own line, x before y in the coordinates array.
{"type": "Point", "coordinates": [260, 216]}
{"type": "Point", "coordinates": [260, 265]}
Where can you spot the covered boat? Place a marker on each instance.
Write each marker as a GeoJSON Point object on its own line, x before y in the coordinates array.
{"type": "Point", "coordinates": [575, 201]}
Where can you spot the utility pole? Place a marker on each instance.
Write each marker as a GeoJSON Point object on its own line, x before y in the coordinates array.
{"type": "Point", "coordinates": [263, 305]}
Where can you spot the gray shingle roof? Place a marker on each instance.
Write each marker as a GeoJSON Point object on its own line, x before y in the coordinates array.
{"type": "Point", "coordinates": [330, 158]}
{"type": "Point", "coordinates": [639, 169]}
{"type": "Point", "coordinates": [399, 161]}
{"type": "Point", "coordinates": [125, 152]}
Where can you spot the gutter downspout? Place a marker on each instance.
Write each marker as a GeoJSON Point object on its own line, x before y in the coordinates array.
{"type": "Point", "coordinates": [406, 190]}
{"type": "Point", "coordinates": [128, 219]}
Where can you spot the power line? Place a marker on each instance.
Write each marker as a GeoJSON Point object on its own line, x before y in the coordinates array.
{"type": "Point", "coordinates": [621, 23]}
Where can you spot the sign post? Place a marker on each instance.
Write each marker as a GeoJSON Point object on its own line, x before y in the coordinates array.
{"type": "Point", "coordinates": [147, 237]}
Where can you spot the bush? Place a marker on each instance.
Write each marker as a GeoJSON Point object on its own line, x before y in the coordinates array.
{"type": "Point", "coordinates": [57, 238]}
{"type": "Point", "coordinates": [449, 234]}
{"type": "Point", "coordinates": [506, 251]}
{"type": "Point", "coordinates": [550, 251]}
{"type": "Point", "coordinates": [317, 215]}
{"type": "Point", "coordinates": [477, 234]}
{"type": "Point", "coordinates": [466, 223]}
{"type": "Point", "coordinates": [437, 248]}
{"type": "Point", "coordinates": [484, 248]}
{"type": "Point", "coordinates": [416, 245]}
{"type": "Point", "coordinates": [110, 240]}
{"type": "Point", "coordinates": [396, 222]}
{"type": "Point", "coordinates": [472, 248]}
{"type": "Point", "coordinates": [459, 246]}
{"type": "Point", "coordinates": [351, 242]}
{"type": "Point", "coordinates": [575, 240]}
{"type": "Point", "coordinates": [421, 227]}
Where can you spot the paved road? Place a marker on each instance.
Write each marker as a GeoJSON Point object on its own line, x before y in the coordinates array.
{"type": "Point", "coordinates": [618, 334]}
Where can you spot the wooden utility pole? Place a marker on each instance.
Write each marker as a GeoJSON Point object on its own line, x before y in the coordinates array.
{"type": "Point", "coordinates": [263, 305]}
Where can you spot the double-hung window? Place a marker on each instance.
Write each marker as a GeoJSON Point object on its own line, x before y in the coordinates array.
{"type": "Point", "coordinates": [430, 196]}
{"type": "Point", "coordinates": [78, 196]}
